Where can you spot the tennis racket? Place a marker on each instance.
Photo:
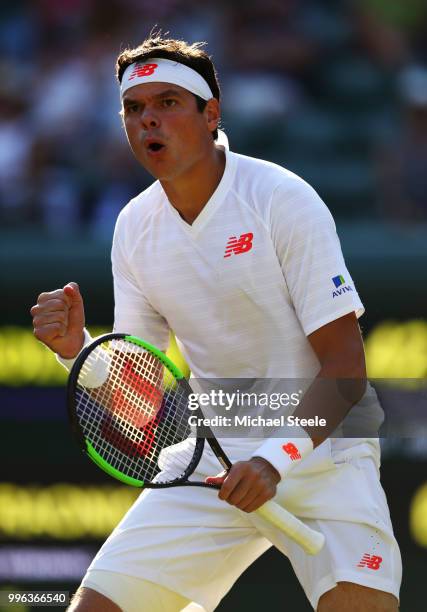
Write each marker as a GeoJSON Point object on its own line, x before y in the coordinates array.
{"type": "Point", "coordinates": [128, 407]}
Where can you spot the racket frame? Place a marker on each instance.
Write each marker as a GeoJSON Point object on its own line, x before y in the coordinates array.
{"type": "Point", "coordinates": [88, 448]}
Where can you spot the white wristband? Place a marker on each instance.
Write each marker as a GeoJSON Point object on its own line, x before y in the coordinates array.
{"type": "Point", "coordinates": [285, 453]}
{"type": "Point", "coordinates": [68, 363]}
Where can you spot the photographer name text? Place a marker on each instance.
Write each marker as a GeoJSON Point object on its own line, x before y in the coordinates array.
{"type": "Point", "coordinates": [255, 421]}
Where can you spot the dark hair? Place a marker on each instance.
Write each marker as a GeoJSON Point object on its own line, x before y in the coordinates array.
{"type": "Point", "coordinates": [191, 55]}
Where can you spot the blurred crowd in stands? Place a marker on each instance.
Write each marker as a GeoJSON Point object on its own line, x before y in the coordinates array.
{"type": "Point", "coordinates": [335, 90]}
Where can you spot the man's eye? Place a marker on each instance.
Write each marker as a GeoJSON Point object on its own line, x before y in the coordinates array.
{"type": "Point", "coordinates": [169, 102]}
{"type": "Point", "coordinates": [131, 108]}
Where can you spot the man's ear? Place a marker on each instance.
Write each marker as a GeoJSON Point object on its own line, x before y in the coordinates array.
{"type": "Point", "coordinates": [212, 112]}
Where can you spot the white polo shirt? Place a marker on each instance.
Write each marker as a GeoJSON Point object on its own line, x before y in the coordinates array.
{"type": "Point", "coordinates": [258, 270]}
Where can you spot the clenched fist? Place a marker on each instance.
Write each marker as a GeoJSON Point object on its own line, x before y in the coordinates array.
{"type": "Point", "coordinates": [59, 320]}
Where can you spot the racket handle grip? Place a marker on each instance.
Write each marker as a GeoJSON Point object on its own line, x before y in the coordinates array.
{"type": "Point", "coordinates": [309, 539]}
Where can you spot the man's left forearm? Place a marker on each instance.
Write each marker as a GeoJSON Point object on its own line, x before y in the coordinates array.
{"type": "Point", "coordinates": [339, 384]}
{"type": "Point", "coordinates": [330, 397]}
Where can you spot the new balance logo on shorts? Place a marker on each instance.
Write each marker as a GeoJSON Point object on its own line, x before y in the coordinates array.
{"type": "Point", "coordinates": [370, 561]}
{"type": "Point", "coordinates": [239, 245]}
{"type": "Point", "coordinates": [292, 451]}
{"type": "Point", "coordinates": [142, 70]}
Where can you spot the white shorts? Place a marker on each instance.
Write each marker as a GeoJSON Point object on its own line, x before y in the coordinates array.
{"type": "Point", "coordinates": [194, 544]}
{"type": "Point", "coordinates": [136, 594]}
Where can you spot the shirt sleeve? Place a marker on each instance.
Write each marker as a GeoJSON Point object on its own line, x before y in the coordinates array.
{"type": "Point", "coordinates": [133, 314]}
{"type": "Point", "coordinates": [309, 251]}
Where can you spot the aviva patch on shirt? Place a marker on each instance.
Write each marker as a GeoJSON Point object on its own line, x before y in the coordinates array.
{"type": "Point", "coordinates": [340, 286]}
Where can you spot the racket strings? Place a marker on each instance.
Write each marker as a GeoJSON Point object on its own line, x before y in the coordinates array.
{"type": "Point", "coordinates": [135, 412]}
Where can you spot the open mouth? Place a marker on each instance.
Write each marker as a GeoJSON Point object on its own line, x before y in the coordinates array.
{"type": "Point", "coordinates": [155, 146]}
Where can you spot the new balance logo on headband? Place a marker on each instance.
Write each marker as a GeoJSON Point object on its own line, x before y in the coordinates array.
{"type": "Point", "coordinates": [142, 70]}
{"type": "Point", "coordinates": [162, 70]}
{"type": "Point", "coordinates": [239, 245]}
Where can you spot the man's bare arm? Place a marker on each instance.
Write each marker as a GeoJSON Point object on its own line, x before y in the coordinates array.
{"type": "Point", "coordinates": [341, 381]}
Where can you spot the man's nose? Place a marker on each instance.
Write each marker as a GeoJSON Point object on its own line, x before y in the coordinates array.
{"type": "Point", "coordinates": [149, 119]}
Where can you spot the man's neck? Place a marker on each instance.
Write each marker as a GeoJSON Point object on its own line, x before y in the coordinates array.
{"type": "Point", "coordinates": [190, 193]}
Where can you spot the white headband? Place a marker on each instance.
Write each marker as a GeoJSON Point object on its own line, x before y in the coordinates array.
{"type": "Point", "coordinates": [161, 70]}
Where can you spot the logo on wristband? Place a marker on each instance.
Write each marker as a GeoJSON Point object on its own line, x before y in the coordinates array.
{"type": "Point", "coordinates": [292, 451]}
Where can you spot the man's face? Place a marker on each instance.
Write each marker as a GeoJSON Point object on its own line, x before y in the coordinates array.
{"type": "Point", "coordinates": [167, 133]}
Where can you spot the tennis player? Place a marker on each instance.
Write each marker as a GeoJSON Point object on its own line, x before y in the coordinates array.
{"type": "Point", "coordinates": [240, 258]}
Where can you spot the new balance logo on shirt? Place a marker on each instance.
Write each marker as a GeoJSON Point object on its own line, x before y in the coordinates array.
{"type": "Point", "coordinates": [236, 246]}
{"type": "Point", "coordinates": [370, 561]}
